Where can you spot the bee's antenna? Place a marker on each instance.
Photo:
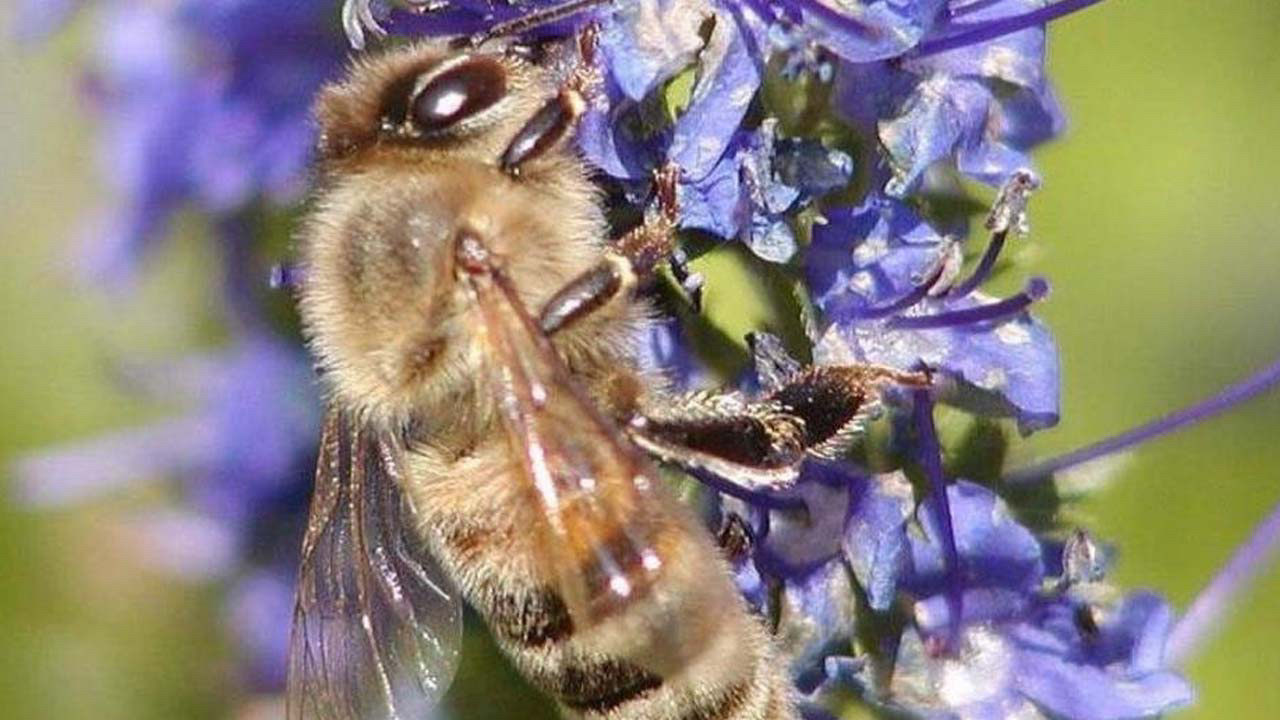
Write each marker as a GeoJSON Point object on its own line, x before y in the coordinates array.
{"type": "Point", "coordinates": [534, 19]}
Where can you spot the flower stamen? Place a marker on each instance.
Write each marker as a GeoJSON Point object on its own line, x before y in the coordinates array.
{"type": "Point", "coordinates": [1008, 213]}
{"type": "Point", "coordinates": [917, 293]}
{"type": "Point", "coordinates": [1252, 386]}
{"type": "Point", "coordinates": [985, 265]}
{"type": "Point", "coordinates": [1037, 288]}
{"type": "Point", "coordinates": [1207, 611]}
{"type": "Point", "coordinates": [1001, 27]}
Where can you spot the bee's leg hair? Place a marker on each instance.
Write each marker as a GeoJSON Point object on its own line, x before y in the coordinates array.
{"type": "Point", "coordinates": [751, 444]}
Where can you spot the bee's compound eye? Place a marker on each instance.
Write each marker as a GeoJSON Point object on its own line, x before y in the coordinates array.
{"type": "Point", "coordinates": [458, 93]}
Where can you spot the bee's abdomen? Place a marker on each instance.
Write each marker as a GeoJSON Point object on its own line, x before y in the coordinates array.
{"type": "Point", "coordinates": [605, 671]}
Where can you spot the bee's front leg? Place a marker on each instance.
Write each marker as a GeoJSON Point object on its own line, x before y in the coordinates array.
{"type": "Point", "coordinates": [558, 117]}
{"type": "Point", "coordinates": [630, 263]}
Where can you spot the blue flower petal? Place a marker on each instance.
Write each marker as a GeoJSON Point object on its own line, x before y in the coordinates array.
{"type": "Point", "coordinates": [716, 202]}
{"type": "Point", "coordinates": [646, 42]}
{"type": "Point", "coordinates": [866, 30]}
{"type": "Point", "coordinates": [613, 140]}
{"type": "Point", "coordinates": [727, 82]}
{"type": "Point", "coordinates": [1016, 58]}
{"type": "Point", "coordinates": [1007, 368]}
{"type": "Point", "coordinates": [995, 551]}
{"type": "Point", "coordinates": [868, 255]}
{"type": "Point", "coordinates": [816, 619]}
{"type": "Point", "coordinates": [799, 542]}
{"type": "Point", "coordinates": [771, 239]}
{"type": "Point", "coordinates": [943, 113]}
{"type": "Point", "coordinates": [1086, 692]}
{"type": "Point", "coordinates": [937, 614]}
{"type": "Point", "coordinates": [875, 537]}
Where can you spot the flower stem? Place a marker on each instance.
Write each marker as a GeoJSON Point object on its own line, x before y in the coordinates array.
{"type": "Point", "coordinates": [1255, 385]}
{"type": "Point", "coordinates": [1003, 26]}
{"type": "Point", "coordinates": [1210, 607]}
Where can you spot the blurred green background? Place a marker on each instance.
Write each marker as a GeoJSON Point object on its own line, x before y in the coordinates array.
{"type": "Point", "coordinates": [1157, 224]}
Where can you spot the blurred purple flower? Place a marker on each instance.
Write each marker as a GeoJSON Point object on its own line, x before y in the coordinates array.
{"type": "Point", "coordinates": [243, 458]}
{"type": "Point", "coordinates": [202, 104]}
{"type": "Point", "coordinates": [257, 612]}
{"type": "Point", "coordinates": [255, 414]}
{"type": "Point", "coordinates": [37, 19]}
{"type": "Point", "coordinates": [246, 446]}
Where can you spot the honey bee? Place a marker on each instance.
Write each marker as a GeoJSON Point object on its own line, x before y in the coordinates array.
{"type": "Point", "coordinates": [490, 426]}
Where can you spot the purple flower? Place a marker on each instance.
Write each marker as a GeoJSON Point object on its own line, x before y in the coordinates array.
{"type": "Point", "coordinates": [1000, 563]}
{"type": "Point", "coordinates": [1040, 663]}
{"type": "Point", "coordinates": [202, 104]}
{"type": "Point", "coordinates": [1020, 647]}
{"type": "Point", "coordinates": [945, 105]}
{"type": "Point", "coordinates": [959, 609]}
{"type": "Point", "coordinates": [979, 106]}
{"type": "Point", "coordinates": [758, 186]}
{"type": "Point", "coordinates": [886, 282]}
{"type": "Point", "coordinates": [857, 32]}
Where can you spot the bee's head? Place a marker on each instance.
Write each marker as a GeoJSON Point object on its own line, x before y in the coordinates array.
{"type": "Point", "coordinates": [428, 99]}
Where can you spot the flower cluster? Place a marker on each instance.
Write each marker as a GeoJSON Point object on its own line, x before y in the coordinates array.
{"type": "Point", "coordinates": [826, 136]}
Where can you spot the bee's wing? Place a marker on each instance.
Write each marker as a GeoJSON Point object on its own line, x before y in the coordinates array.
{"type": "Point", "coordinates": [604, 527]}
{"type": "Point", "coordinates": [376, 629]}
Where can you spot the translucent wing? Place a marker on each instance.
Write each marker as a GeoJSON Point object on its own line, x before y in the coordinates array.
{"type": "Point", "coordinates": [605, 530]}
{"type": "Point", "coordinates": [376, 630]}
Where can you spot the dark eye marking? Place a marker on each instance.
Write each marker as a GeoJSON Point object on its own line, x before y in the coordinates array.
{"type": "Point", "coordinates": [457, 94]}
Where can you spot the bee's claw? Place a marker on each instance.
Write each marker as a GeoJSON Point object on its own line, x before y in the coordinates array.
{"type": "Point", "coordinates": [666, 179]}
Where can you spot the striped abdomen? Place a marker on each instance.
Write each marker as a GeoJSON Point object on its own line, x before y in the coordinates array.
{"type": "Point", "coordinates": [688, 650]}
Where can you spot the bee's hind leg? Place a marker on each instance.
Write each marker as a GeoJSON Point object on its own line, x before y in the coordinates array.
{"type": "Point", "coordinates": [814, 411]}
